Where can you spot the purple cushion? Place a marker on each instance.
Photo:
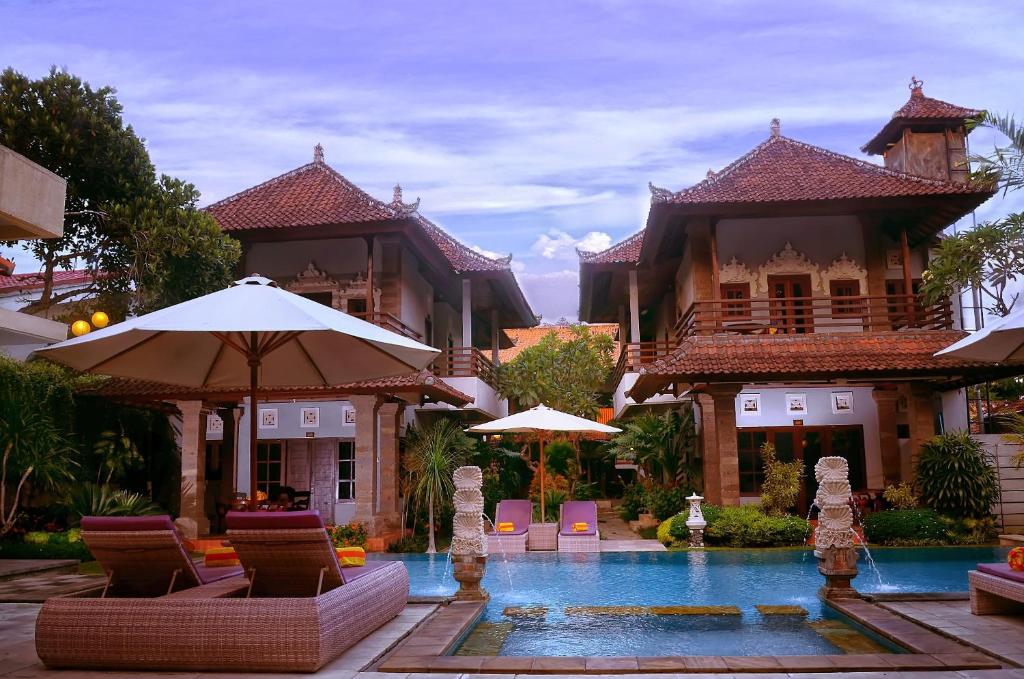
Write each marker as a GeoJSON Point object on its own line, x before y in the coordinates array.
{"type": "Point", "coordinates": [126, 523]}
{"type": "Point", "coordinates": [208, 574]}
{"type": "Point", "coordinates": [1001, 570]}
{"type": "Point", "coordinates": [273, 520]}
{"type": "Point", "coordinates": [517, 512]}
{"type": "Point", "coordinates": [579, 511]}
{"type": "Point", "coordinates": [350, 573]}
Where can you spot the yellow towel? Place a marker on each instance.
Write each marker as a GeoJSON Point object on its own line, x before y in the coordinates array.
{"type": "Point", "coordinates": [351, 556]}
{"type": "Point", "coordinates": [219, 557]}
{"type": "Point", "coordinates": [580, 527]}
{"type": "Point", "coordinates": [506, 527]}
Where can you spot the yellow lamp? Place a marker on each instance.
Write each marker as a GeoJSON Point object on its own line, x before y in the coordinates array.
{"type": "Point", "coordinates": [100, 320]}
{"type": "Point", "coordinates": [79, 328]}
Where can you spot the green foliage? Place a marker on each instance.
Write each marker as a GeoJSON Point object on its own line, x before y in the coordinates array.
{"type": "Point", "coordinates": [1013, 423]}
{"type": "Point", "coordinates": [662, 502]}
{"type": "Point", "coordinates": [1004, 167]}
{"type": "Point", "coordinates": [118, 454]}
{"type": "Point", "coordinates": [57, 546]}
{"type": "Point", "coordinates": [584, 490]}
{"type": "Point", "coordinates": [560, 457]}
{"type": "Point", "coordinates": [145, 233]}
{"type": "Point", "coordinates": [503, 474]}
{"type": "Point", "coordinates": [553, 499]}
{"type": "Point", "coordinates": [745, 526]}
{"type": "Point", "coordinates": [782, 482]}
{"type": "Point", "coordinates": [970, 531]}
{"type": "Point", "coordinates": [663, 445]}
{"type": "Point", "coordinates": [954, 476]}
{"type": "Point", "coordinates": [89, 499]}
{"type": "Point", "coordinates": [905, 527]}
{"type": "Point", "coordinates": [348, 534]}
{"type": "Point", "coordinates": [566, 375]}
{"type": "Point", "coordinates": [900, 496]}
{"type": "Point", "coordinates": [634, 502]}
{"type": "Point", "coordinates": [432, 456]}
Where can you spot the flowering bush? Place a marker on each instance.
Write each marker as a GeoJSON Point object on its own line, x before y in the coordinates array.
{"type": "Point", "coordinates": [348, 535]}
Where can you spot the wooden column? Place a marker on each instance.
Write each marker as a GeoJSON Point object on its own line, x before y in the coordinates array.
{"type": "Point", "coordinates": [908, 279]}
{"type": "Point", "coordinates": [716, 286]}
{"type": "Point", "coordinates": [467, 312]}
{"type": "Point", "coordinates": [634, 307]}
{"type": "Point", "coordinates": [495, 337]}
{"type": "Point", "coordinates": [888, 442]}
{"type": "Point", "coordinates": [369, 277]}
{"type": "Point", "coordinates": [700, 246]}
{"type": "Point", "coordinates": [875, 264]}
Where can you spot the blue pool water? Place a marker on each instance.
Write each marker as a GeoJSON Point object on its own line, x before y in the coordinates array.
{"type": "Point", "coordinates": [728, 577]}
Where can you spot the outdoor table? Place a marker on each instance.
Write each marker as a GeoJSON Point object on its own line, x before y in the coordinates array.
{"type": "Point", "coordinates": [542, 537]}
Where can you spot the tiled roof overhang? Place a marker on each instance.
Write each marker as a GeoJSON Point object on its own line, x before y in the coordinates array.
{"type": "Point", "coordinates": [868, 356]}
{"type": "Point", "coordinates": [919, 110]}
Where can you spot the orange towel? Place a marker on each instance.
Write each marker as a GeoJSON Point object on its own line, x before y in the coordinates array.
{"type": "Point", "coordinates": [351, 556]}
{"type": "Point", "coordinates": [220, 557]}
{"type": "Point", "coordinates": [506, 527]}
{"type": "Point", "coordinates": [580, 527]}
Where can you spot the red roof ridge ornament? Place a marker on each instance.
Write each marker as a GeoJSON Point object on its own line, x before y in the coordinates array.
{"type": "Point", "coordinates": [318, 154]}
{"type": "Point", "coordinates": [775, 126]}
{"type": "Point", "coordinates": [916, 87]}
{"type": "Point", "coordinates": [710, 174]}
{"type": "Point", "coordinates": [402, 209]}
{"type": "Point", "coordinates": [658, 194]}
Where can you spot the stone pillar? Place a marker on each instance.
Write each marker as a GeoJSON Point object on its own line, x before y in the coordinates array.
{"type": "Point", "coordinates": [718, 434]}
{"type": "Point", "coordinates": [709, 450]}
{"type": "Point", "coordinates": [467, 312]}
{"type": "Point", "coordinates": [921, 417]}
{"type": "Point", "coordinates": [634, 307]}
{"type": "Point", "coordinates": [888, 442]}
{"type": "Point", "coordinates": [192, 520]}
{"type": "Point", "coordinates": [366, 455]}
{"type": "Point", "coordinates": [389, 515]}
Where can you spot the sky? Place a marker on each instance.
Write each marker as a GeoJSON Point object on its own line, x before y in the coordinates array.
{"type": "Point", "coordinates": [527, 127]}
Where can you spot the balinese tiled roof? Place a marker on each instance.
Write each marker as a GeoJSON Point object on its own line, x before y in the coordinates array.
{"type": "Point", "coordinates": [918, 109]}
{"type": "Point", "coordinates": [625, 251]}
{"type": "Point", "coordinates": [746, 358]}
{"type": "Point", "coordinates": [785, 170]}
{"type": "Point", "coordinates": [143, 390]}
{"type": "Point", "coordinates": [315, 195]}
{"type": "Point", "coordinates": [523, 338]}
{"type": "Point", "coordinates": [25, 282]}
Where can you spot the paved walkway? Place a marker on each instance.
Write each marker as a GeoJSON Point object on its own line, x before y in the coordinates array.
{"type": "Point", "coordinates": [12, 568]}
{"type": "Point", "coordinates": [1001, 636]}
{"type": "Point", "coordinates": [617, 537]}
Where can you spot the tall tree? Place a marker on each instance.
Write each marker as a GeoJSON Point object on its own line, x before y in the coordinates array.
{"type": "Point", "coordinates": [142, 232]}
{"type": "Point", "coordinates": [432, 456]}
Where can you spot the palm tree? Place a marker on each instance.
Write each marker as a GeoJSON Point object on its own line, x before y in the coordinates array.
{"type": "Point", "coordinates": [660, 444]}
{"type": "Point", "coordinates": [1004, 167]}
{"type": "Point", "coordinates": [433, 454]}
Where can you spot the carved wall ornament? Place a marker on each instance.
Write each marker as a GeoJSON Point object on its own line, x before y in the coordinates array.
{"type": "Point", "coordinates": [845, 269]}
{"type": "Point", "coordinates": [738, 272]}
{"type": "Point", "coordinates": [788, 261]}
{"type": "Point", "coordinates": [312, 279]}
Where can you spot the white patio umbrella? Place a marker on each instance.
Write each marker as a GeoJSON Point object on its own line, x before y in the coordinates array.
{"type": "Point", "coordinates": [252, 333]}
{"type": "Point", "coordinates": [1002, 342]}
{"type": "Point", "coordinates": [542, 421]}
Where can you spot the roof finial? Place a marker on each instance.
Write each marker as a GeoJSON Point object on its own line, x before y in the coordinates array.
{"type": "Point", "coordinates": [710, 174]}
{"type": "Point", "coordinates": [915, 87]}
{"type": "Point", "coordinates": [318, 154]}
{"type": "Point", "coordinates": [775, 127]}
{"type": "Point", "coordinates": [396, 197]}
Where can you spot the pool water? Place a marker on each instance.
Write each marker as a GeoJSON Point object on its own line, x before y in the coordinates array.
{"type": "Point", "coordinates": [741, 578]}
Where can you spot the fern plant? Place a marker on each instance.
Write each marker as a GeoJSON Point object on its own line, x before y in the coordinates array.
{"type": "Point", "coordinates": [90, 499]}
{"type": "Point", "coordinates": [955, 476]}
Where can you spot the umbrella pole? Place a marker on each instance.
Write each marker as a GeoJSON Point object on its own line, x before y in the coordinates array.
{"type": "Point", "coordinates": [541, 441]}
{"type": "Point", "coordinates": [254, 374]}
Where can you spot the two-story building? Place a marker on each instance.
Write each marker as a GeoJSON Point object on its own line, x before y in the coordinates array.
{"type": "Point", "coordinates": [780, 295]}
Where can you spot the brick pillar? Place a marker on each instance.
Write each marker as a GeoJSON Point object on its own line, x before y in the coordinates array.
{"type": "Point", "coordinates": [709, 450]}
{"type": "Point", "coordinates": [366, 454]}
{"type": "Point", "coordinates": [192, 520]}
{"type": "Point", "coordinates": [921, 417]}
{"type": "Point", "coordinates": [388, 517]}
{"type": "Point", "coordinates": [721, 456]}
{"type": "Point", "coordinates": [888, 443]}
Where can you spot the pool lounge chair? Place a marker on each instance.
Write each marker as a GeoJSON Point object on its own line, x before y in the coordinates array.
{"type": "Point", "coordinates": [300, 610]}
{"type": "Point", "coordinates": [571, 540]}
{"type": "Point", "coordinates": [143, 556]}
{"type": "Point", "coordinates": [996, 589]}
{"type": "Point", "coordinates": [517, 512]}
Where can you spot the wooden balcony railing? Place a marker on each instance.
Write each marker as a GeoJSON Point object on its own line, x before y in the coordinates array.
{"type": "Point", "coordinates": [632, 356]}
{"type": "Point", "coordinates": [389, 322]}
{"type": "Point", "coordinates": [466, 362]}
{"type": "Point", "coordinates": [792, 315]}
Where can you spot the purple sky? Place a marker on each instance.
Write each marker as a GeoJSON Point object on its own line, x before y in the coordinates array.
{"type": "Point", "coordinates": [526, 127]}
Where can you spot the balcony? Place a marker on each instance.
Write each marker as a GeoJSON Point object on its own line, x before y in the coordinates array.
{"type": "Point", "coordinates": [31, 199]}
{"type": "Point", "coordinates": [794, 315]}
{"type": "Point", "coordinates": [389, 322]}
{"type": "Point", "coordinates": [470, 371]}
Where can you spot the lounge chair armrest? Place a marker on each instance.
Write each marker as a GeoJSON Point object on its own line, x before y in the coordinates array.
{"type": "Point", "coordinates": [215, 590]}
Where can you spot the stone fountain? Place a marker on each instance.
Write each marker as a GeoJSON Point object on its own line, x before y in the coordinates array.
{"type": "Point", "coordinates": [833, 538]}
{"type": "Point", "coordinates": [469, 543]}
{"type": "Point", "coordinates": [695, 521]}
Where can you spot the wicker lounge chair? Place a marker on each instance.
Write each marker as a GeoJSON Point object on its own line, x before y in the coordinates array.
{"type": "Point", "coordinates": [996, 588]}
{"type": "Point", "coordinates": [143, 556]}
{"type": "Point", "coordinates": [570, 540]}
{"type": "Point", "coordinates": [277, 624]}
{"type": "Point", "coordinates": [517, 512]}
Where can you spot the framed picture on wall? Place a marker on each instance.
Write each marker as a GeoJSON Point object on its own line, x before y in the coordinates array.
{"type": "Point", "coordinates": [310, 418]}
{"type": "Point", "coordinates": [750, 404]}
{"type": "Point", "coordinates": [893, 259]}
{"type": "Point", "coordinates": [842, 402]}
{"type": "Point", "coordinates": [214, 424]}
{"type": "Point", "coordinates": [268, 418]}
{"type": "Point", "coordinates": [796, 404]}
{"type": "Point", "coordinates": [348, 415]}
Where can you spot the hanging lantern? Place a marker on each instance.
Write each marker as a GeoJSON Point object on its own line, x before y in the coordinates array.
{"type": "Point", "coordinates": [79, 328]}
{"type": "Point", "coordinates": [100, 320]}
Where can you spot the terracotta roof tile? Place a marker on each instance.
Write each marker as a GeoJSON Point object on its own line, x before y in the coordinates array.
{"type": "Point", "coordinates": [625, 251]}
{"type": "Point", "coordinates": [918, 109]}
{"type": "Point", "coordinates": [721, 358]}
{"type": "Point", "coordinates": [24, 282]}
{"type": "Point", "coordinates": [315, 194]}
{"type": "Point", "coordinates": [423, 382]}
{"type": "Point", "coordinates": [524, 338]}
{"type": "Point", "coordinates": [782, 169]}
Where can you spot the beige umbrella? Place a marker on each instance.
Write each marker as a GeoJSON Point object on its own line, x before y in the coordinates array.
{"type": "Point", "coordinates": [542, 421]}
{"type": "Point", "coordinates": [252, 333]}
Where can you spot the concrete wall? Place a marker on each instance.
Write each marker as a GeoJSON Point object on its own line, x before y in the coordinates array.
{"type": "Point", "coordinates": [31, 199]}
{"type": "Point", "coordinates": [285, 259]}
{"type": "Point", "coordinates": [822, 239]}
{"type": "Point", "coordinates": [417, 295]}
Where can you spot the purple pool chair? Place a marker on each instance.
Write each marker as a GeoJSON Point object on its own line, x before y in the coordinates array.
{"type": "Point", "coordinates": [517, 512]}
{"type": "Point", "coordinates": [570, 540]}
{"type": "Point", "coordinates": [996, 589]}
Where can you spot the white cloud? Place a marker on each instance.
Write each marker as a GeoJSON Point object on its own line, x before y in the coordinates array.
{"type": "Point", "coordinates": [554, 294]}
{"type": "Point", "coordinates": [558, 244]}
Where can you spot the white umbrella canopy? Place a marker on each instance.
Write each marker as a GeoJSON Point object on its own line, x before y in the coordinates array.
{"type": "Point", "coordinates": [542, 421]}
{"type": "Point", "coordinates": [250, 334]}
{"type": "Point", "coordinates": [1001, 342]}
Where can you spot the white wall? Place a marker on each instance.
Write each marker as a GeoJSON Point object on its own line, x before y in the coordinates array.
{"type": "Point", "coordinates": [417, 295]}
{"type": "Point", "coordinates": [287, 258]}
{"type": "Point", "coordinates": [822, 239]}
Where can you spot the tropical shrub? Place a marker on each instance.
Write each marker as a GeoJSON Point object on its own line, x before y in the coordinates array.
{"type": "Point", "coordinates": [782, 481]}
{"type": "Point", "coordinates": [969, 531]}
{"type": "Point", "coordinates": [662, 502]}
{"type": "Point", "coordinates": [432, 456]}
{"type": "Point", "coordinates": [905, 527]}
{"type": "Point", "coordinates": [745, 526]}
{"type": "Point", "coordinates": [900, 496]}
{"type": "Point", "coordinates": [45, 545]}
{"type": "Point", "coordinates": [585, 490]}
{"type": "Point", "coordinates": [348, 534]}
{"type": "Point", "coordinates": [954, 476]}
{"type": "Point", "coordinates": [88, 499]}
{"type": "Point", "coordinates": [663, 445]}
{"type": "Point", "coordinates": [633, 502]}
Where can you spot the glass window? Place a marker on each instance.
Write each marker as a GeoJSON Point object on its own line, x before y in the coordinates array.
{"type": "Point", "coordinates": [269, 466]}
{"type": "Point", "coordinates": [737, 300]}
{"type": "Point", "coordinates": [845, 296]}
{"type": "Point", "coordinates": [751, 467]}
{"type": "Point", "coordinates": [346, 470]}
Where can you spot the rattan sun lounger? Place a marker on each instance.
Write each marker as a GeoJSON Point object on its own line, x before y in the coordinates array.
{"type": "Point", "coordinates": [517, 512]}
{"type": "Point", "coordinates": [570, 540]}
{"type": "Point", "coordinates": [996, 589]}
{"type": "Point", "coordinates": [234, 628]}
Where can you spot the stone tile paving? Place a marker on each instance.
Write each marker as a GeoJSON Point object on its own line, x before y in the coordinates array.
{"type": "Point", "coordinates": [39, 587]}
{"type": "Point", "coordinates": [11, 568]}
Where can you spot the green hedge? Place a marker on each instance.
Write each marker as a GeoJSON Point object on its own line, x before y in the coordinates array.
{"type": "Point", "coordinates": [46, 545]}
{"type": "Point", "coordinates": [660, 501]}
{"type": "Point", "coordinates": [744, 526]}
{"type": "Point", "coordinates": [917, 527]}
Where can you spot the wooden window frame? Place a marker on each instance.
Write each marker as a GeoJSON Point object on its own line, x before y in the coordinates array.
{"type": "Point", "coordinates": [349, 481]}
{"type": "Point", "coordinates": [842, 304]}
{"type": "Point", "coordinates": [268, 484]}
{"type": "Point", "coordinates": [735, 308]}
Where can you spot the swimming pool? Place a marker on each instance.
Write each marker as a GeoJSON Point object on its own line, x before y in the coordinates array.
{"type": "Point", "coordinates": [564, 582]}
